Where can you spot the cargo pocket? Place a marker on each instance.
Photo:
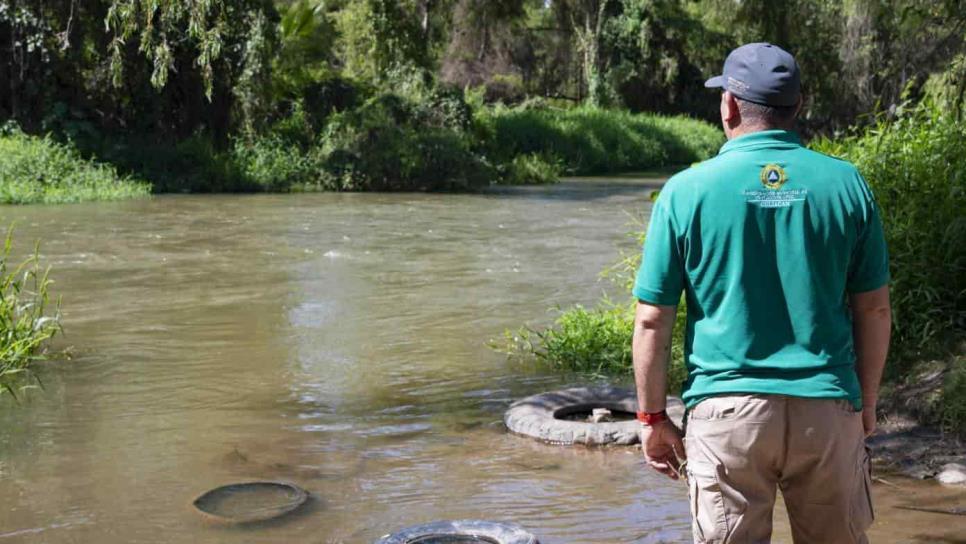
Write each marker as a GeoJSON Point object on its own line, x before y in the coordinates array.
{"type": "Point", "coordinates": [861, 512]}
{"type": "Point", "coordinates": [709, 520]}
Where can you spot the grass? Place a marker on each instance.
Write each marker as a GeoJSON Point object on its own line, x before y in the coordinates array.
{"type": "Point", "coordinates": [27, 319]}
{"type": "Point", "coordinates": [532, 169]}
{"type": "Point", "coordinates": [431, 140]}
{"type": "Point", "coordinates": [916, 166]}
{"type": "Point", "coordinates": [591, 141]}
{"type": "Point", "coordinates": [40, 170]}
{"type": "Point", "coordinates": [593, 341]}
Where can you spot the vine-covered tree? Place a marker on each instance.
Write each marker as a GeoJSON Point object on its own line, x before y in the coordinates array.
{"type": "Point", "coordinates": [166, 67]}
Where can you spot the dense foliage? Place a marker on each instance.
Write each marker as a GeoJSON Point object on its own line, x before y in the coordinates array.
{"type": "Point", "coordinates": [36, 169]}
{"type": "Point", "coordinates": [392, 143]}
{"type": "Point", "coordinates": [916, 166]}
{"type": "Point", "coordinates": [218, 88]}
{"type": "Point", "coordinates": [26, 319]}
{"type": "Point", "coordinates": [593, 141]}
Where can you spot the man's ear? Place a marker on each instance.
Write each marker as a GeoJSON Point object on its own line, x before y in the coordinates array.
{"type": "Point", "coordinates": [729, 109]}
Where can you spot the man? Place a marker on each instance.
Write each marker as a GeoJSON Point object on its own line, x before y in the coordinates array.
{"type": "Point", "coordinates": [780, 254]}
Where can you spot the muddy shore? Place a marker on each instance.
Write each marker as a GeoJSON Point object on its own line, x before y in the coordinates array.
{"type": "Point", "coordinates": [901, 445]}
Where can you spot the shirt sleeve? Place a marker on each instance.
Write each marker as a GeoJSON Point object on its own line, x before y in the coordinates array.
{"type": "Point", "coordinates": [869, 268]}
{"type": "Point", "coordinates": [660, 279]}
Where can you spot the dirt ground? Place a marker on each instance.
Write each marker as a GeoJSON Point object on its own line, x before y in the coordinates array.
{"type": "Point", "coordinates": [900, 444]}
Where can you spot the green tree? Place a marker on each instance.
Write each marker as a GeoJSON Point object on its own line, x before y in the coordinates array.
{"type": "Point", "coordinates": [856, 56]}
{"type": "Point", "coordinates": [661, 55]}
{"type": "Point", "coordinates": [379, 37]}
{"type": "Point", "coordinates": [488, 46]}
{"type": "Point", "coordinates": [225, 45]}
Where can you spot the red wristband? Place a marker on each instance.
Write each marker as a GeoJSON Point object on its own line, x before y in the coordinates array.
{"type": "Point", "coordinates": [650, 419]}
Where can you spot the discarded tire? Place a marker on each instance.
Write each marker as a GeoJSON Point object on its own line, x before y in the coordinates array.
{"type": "Point", "coordinates": [459, 532]}
{"type": "Point", "coordinates": [250, 502]}
{"type": "Point", "coordinates": [568, 416]}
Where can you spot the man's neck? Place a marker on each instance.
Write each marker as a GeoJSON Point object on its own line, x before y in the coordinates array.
{"type": "Point", "coordinates": [741, 130]}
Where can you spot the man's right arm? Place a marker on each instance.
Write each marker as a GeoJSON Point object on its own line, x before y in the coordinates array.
{"type": "Point", "coordinates": [871, 328]}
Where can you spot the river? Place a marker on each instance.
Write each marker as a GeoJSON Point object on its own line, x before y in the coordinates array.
{"type": "Point", "coordinates": [338, 341]}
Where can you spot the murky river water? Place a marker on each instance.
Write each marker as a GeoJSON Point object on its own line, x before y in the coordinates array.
{"type": "Point", "coordinates": [337, 341]}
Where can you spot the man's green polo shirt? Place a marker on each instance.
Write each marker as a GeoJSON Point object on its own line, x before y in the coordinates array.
{"type": "Point", "coordinates": [766, 240]}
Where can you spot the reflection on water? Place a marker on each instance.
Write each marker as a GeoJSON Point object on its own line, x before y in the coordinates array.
{"type": "Point", "coordinates": [336, 341]}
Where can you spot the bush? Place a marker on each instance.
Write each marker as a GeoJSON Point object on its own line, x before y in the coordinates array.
{"type": "Point", "coordinates": [916, 166]}
{"type": "Point", "coordinates": [39, 170]}
{"type": "Point", "coordinates": [531, 169]}
{"type": "Point", "coordinates": [192, 165]}
{"type": "Point", "coordinates": [270, 164]}
{"type": "Point", "coordinates": [25, 322]}
{"type": "Point", "coordinates": [391, 143]}
{"type": "Point", "coordinates": [598, 141]}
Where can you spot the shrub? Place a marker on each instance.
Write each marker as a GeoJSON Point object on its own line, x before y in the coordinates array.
{"type": "Point", "coordinates": [192, 165]}
{"type": "Point", "coordinates": [598, 141]}
{"type": "Point", "coordinates": [25, 320]}
{"type": "Point", "coordinates": [270, 164]}
{"type": "Point", "coordinates": [391, 144]}
{"type": "Point", "coordinates": [531, 169]}
{"type": "Point", "coordinates": [40, 170]}
{"type": "Point", "coordinates": [916, 166]}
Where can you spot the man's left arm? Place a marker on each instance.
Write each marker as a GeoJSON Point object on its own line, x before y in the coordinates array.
{"type": "Point", "coordinates": [661, 441]}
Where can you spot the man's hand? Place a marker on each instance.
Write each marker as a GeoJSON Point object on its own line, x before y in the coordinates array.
{"type": "Point", "coordinates": [868, 417]}
{"type": "Point", "coordinates": [663, 448]}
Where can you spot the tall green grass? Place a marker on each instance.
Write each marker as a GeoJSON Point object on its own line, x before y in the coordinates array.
{"type": "Point", "coordinates": [916, 166]}
{"type": "Point", "coordinates": [593, 341]}
{"type": "Point", "coordinates": [418, 137]}
{"type": "Point", "coordinates": [40, 170]}
{"type": "Point", "coordinates": [27, 318]}
{"type": "Point", "coordinates": [589, 141]}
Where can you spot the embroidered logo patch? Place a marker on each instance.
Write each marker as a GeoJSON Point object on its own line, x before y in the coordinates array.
{"type": "Point", "coordinates": [773, 176]}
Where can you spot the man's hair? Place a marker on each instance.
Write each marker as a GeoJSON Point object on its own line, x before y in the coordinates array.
{"type": "Point", "coordinates": [754, 113]}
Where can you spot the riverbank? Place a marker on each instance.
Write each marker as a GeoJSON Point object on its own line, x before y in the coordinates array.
{"type": "Point", "coordinates": [427, 140]}
{"type": "Point", "coordinates": [41, 170]}
{"type": "Point", "coordinates": [903, 445]}
{"type": "Point", "coordinates": [918, 423]}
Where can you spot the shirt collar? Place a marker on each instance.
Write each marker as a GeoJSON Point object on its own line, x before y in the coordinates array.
{"type": "Point", "coordinates": [763, 139]}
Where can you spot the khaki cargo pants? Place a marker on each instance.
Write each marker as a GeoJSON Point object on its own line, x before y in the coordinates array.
{"type": "Point", "coordinates": [741, 448]}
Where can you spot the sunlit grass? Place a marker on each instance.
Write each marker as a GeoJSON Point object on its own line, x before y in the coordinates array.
{"type": "Point", "coordinates": [589, 141]}
{"type": "Point", "coordinates": [40, 170]}
{"type": "Point", "coordinates": [28, 318]}
{"type": "Point", "coordinates": [916, 166]}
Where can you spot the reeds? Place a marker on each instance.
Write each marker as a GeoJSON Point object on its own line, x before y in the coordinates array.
{"type": "Point", "coordinates": [27, 318]}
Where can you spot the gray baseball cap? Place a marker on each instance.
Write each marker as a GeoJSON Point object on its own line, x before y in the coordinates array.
{"type": "Point", "coordinates": [761, 73]}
